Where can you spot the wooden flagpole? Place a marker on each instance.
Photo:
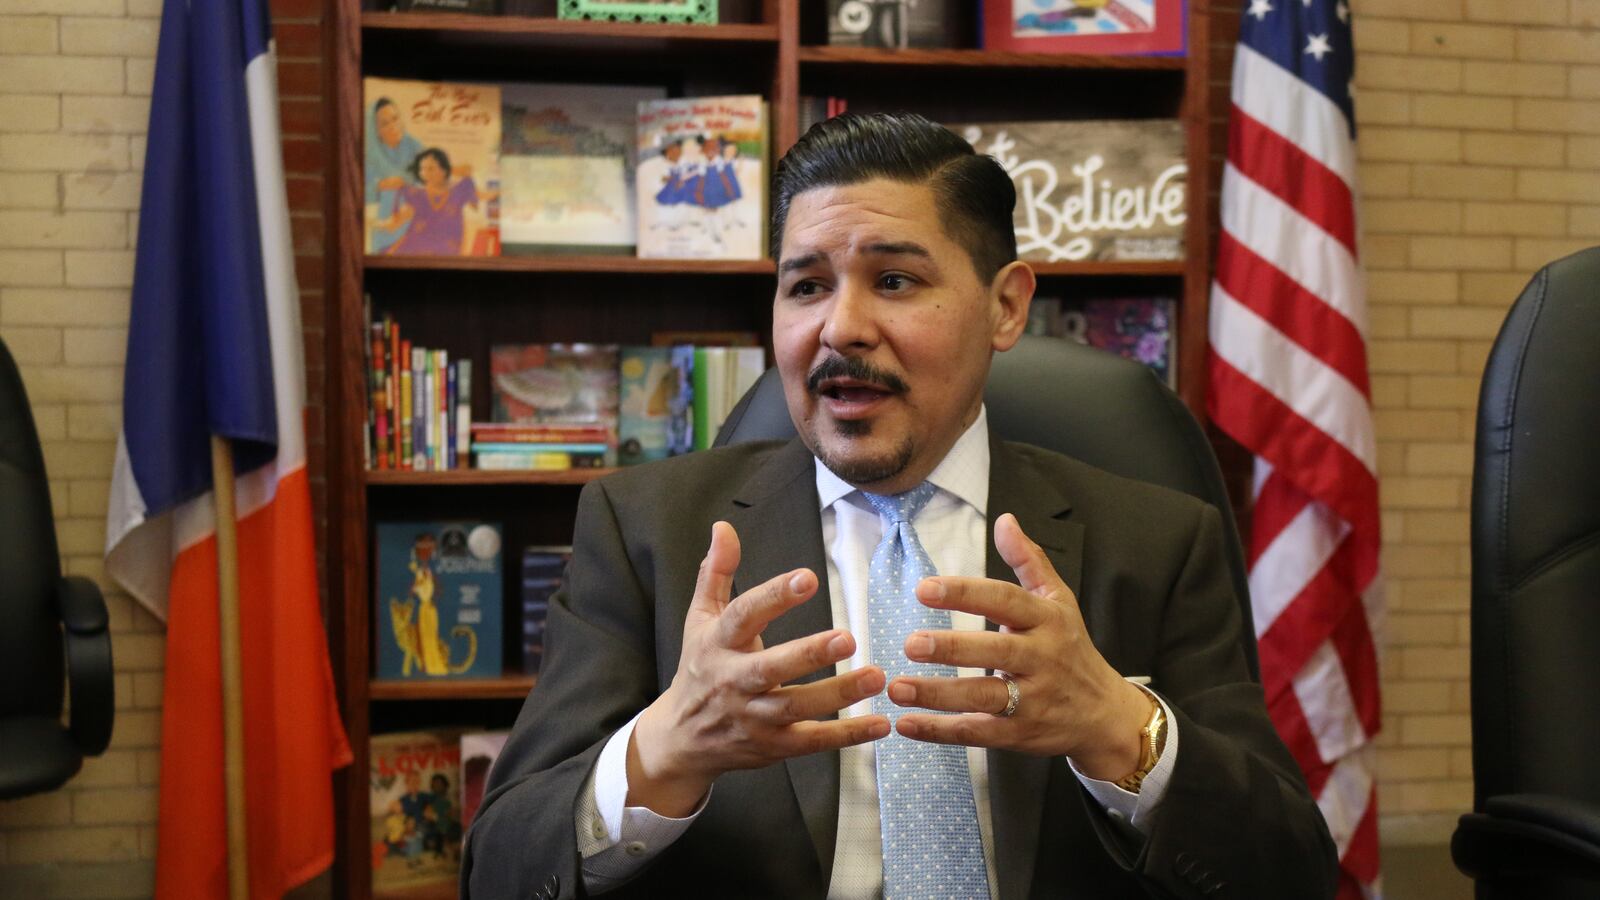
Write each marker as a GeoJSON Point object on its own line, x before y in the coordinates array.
{"type": "Point", "coordinates": [222, 485]}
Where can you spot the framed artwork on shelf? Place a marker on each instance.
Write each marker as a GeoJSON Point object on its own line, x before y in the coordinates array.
{"type": "Point", "coordinates": [1131, 27]}
{"type": "Point", "coordinates": [683, 12]}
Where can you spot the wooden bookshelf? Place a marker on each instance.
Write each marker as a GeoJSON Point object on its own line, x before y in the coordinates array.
{"type": "Point", "coordinates": [506, 687]}
{"type": "Point", "coordinates": [449, 477]}
{"type": "Point", "coordinates": [614, 264]}
{"type": "Point", "coordinates": [870, 57]}
{"type": "Point", "coordinates": [771, 47]}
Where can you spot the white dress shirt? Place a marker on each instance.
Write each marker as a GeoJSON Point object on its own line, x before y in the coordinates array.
{"type": "Point", "coordinates": [617, 840]}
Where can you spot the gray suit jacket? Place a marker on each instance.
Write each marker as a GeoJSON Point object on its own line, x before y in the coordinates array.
{"type": "Point", "coordinates": [1147, 567]}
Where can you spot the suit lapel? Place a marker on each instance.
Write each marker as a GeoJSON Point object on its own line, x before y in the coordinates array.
{"type": "Point", "coordinates": [779, 523]}
{"type": "Point", "coordinates": [1017, 782]}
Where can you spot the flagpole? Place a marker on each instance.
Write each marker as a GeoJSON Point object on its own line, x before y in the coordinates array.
{"type": "Point", "coordinates": [232, 677]}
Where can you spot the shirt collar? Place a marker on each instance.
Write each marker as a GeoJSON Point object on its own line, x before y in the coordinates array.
{"type": "Point", "coordinates": [964, 471]}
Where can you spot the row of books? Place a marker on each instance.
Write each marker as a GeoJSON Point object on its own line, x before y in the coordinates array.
{"type": "Point", "coordinates": [424, 789]}
{"type": "Point", "coordinates": [552, 406]}
{"type": "Point", "coordinates": [457, 169]}
{"type": "Point", "coordinates": [442, 587]}
{"type": "Point", "coordinates": [1037, 26]}
{"type": "Point", "coordinates": [420, 402]}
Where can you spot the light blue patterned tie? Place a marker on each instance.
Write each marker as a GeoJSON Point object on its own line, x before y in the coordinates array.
{"type": "Point", "coordinates": [931, 844]}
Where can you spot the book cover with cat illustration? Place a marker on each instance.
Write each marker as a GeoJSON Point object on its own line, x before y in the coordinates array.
{"type": "Point", "coordinates": [438, 604]}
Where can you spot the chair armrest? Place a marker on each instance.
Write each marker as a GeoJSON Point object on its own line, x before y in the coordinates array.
{"type": "Point", "coordinates": [86, 628]}
{"type": "Point", "coordinates": [1532, 834]}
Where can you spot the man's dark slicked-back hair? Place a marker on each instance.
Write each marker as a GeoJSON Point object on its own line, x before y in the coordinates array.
{"type": "Point", "coordinates": [974, 195]}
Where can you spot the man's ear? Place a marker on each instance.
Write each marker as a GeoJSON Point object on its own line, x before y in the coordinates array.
{"type": "Point", "coordinates": [1010, 295]}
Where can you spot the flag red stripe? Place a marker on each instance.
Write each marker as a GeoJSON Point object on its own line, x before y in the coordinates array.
{"type": "Point", "coordinates": [1316, 327]}
{"type": "Point", "coordinates": [1352, 640]}
{"type": "Point", "coordinates": [1275, 507]}
{"type": "Point", "coordinates": [1361, 856]}
{"type": "Point", "coordinates": [1316, 463]}
{"type": "Point", "coordinates": [1308, 621]}
{"type": "Point", "coordinates": [1292, 175]}
{"type": "Point", "coordinates": [1290, 720]}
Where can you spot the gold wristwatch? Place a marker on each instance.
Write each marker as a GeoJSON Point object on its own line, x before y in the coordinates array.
{"type": "Point", "coordinates": [1151, 741]}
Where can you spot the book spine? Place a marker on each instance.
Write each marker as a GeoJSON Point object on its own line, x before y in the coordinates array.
{"type": "Point", "coordinates": [491, 447]}
{"type": "Point", "coordinates": [441, 369]}
{"type": "Point", "coordinates": [450, 431]}
{"type": "Point", "coordinates": [375, 396]}
{"type": "Point", "coordinates": [463, 410]}
{"type": "Point", "coordinates": [418, 425]}
{"type": "Point", "coordinates": [702, 398]}
{"type": "Point", "coordinates": [430, 376]}
{"type": "Point", "coordinates": [395, 364]}
{"type": "Point", "coordinates": [405, 407]}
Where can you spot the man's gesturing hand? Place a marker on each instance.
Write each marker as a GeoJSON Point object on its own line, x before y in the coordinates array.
{"type": "Point", "coordinates": [1072, 702]}
{"type": "Point", "coordinates": [727, 707]}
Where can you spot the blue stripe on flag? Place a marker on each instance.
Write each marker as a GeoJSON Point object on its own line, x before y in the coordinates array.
{"type": "Point", "coordinates": [199, 353]}
{"type": "Point", "coordinates": [1283, 30]}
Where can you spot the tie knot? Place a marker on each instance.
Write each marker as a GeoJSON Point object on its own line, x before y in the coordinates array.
{"type": "Point", "coordinates": [904, 507]}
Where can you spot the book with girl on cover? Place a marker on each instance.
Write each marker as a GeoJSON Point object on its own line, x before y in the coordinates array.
{"type": "Point", "coordinates": [702, 178]}
{"type": "Point", "coordinates": [432, 168]}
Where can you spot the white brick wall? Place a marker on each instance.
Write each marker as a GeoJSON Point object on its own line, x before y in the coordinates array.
{"type": "Point", "coordinates": [74, 98]}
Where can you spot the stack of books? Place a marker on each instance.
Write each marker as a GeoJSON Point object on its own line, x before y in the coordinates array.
{"type": "Point", "coordinates": [420, 404]}
{"type": "Point", "coordinates": [508, 446]}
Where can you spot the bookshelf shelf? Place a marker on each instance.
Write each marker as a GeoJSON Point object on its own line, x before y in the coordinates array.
{"type": "Point", "coordinates": [508, 686]}
{"type": "Point", "coordinates": [988, 59]}
{"type": "Point", "coordinates": [1169, 268]}
{"type": "Point", "coordinates": [599, 264]}
{"type": "Point", "coordinates": [402, 477]}
{"type": "Point", "coordinates": [461, 29]}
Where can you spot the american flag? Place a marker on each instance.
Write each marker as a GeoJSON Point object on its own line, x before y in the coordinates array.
{"type": "Point", "coordinates": [1288, 369]}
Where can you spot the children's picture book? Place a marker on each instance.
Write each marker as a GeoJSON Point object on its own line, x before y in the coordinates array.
{"type": "Point", "coordinates": [896, 24]}
{"type": "Point", "coordinates": [1142, 329]}
{"type": "Point", "coordinates": [702, 182]}
{"type": "Point", "coordinates": [680, 408]}
{"type": "Point", "coordinates": [567, 167]}
{"type": "Point", "coordinates": [1143, 27]}
{"type": "Point", "coordinates": [438, 604]}
{"type": "Point", "coordinates": [479, 749]}
{"type": "Point", "coordinates": [432, 168]}
{"type": "Point", "coordinates": [1100, 190]}
{"type": "Point", "coordinates": [573, 384]}
{"type": "Point", "coordinates": [650, 388]}
{"type": "Point", "coordinates": [542, 571]}
{"type": "Point", "coordinates": [414, 795]}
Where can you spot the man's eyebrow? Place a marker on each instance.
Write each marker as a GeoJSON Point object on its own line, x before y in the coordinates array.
{"type": "Point", "coordinates": [902, 248]}
{"type": "Point", "coordinates": [799, 262]}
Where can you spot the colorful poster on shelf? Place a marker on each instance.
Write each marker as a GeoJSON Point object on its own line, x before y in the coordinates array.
{"type": "Point", "coordinates": [1142, 329]}
{"type": "Point", "coordinates": [1135, 27]}
{"type": "Point", "coordinates": [567, 167]}
{"type": "Point", "coordinates": [439, 595]}
{"type": "Point", "coordinates": [896, 24]}
{"type": "Point", "coordinates": [432, 168]}
{"type": "Point", "coordinates": [414, 798]}
{"type": "Point", "coordinates": [702, 183]}
{"type": "Point", "coordinates": [1092, 190]}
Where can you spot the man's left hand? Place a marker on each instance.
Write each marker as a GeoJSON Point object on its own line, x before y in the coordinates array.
{"type": "Point", "coordinates": [1072, 702]}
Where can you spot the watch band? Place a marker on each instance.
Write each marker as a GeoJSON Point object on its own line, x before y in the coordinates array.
{"type": "Point", "coordinates": [1152, 738]}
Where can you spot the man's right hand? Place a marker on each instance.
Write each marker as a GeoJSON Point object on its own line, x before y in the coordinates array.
{"type": "Point", "coordinates": [727, 707]}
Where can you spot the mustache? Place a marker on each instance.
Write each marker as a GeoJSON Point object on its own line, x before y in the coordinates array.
{"type": "Point", "coordinates": [855, 368]}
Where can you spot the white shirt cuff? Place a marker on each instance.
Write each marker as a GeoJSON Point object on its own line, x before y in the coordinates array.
{"type": "Point", "coordinates": [616, 841]}
{"type": "Point", "coordinates": [1126, 806]}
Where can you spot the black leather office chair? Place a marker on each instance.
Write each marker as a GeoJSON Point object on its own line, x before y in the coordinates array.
{"type": "Point", "coordinates": [1535, 831]}
{"type": "Point", "coordinates": [44, 617]}
{"type": "Point", "coordinates": [1086, 403]}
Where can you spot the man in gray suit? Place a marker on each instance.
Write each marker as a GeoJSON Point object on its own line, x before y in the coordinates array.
{"type": "Point", "coordinates": [747, 721]}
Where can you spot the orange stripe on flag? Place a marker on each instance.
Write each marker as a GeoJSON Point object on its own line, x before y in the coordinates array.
{"type": "Point", "coordinates": [293, 735]}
